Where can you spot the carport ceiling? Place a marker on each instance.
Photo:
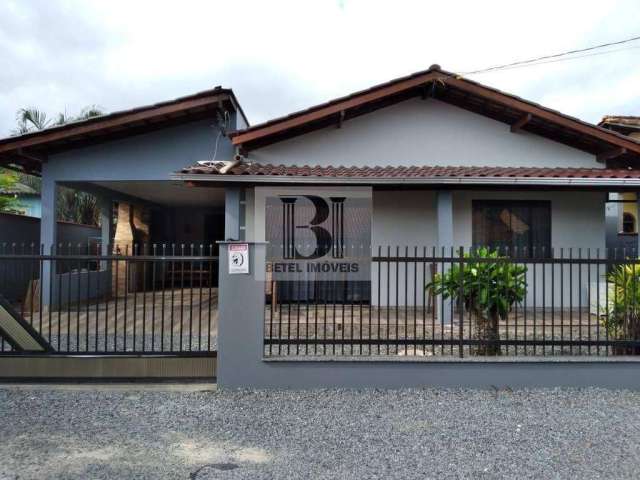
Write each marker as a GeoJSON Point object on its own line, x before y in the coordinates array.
{"type": "Point", "coordinates": [174, 194]}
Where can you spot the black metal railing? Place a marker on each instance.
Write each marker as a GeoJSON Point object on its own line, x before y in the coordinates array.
{"type": "Point", "coordinates": [140, 299]}
{"type": "Point", "coordinates": [453, 302]}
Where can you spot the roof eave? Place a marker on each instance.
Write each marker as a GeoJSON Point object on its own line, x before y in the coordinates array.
{"type": "Point", "coordinates": [274, 131]}
{"type": "Point", "coordinates": [497, 181]}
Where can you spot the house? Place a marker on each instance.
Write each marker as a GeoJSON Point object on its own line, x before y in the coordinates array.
{"type": "Point", "coordinates": [448, 162]}
{"type": "Point", "coordinates": [127, 158]}
{"type": "Point", "coordinates": [349, 209]}
{"type": "Point", "coordinates": [622, 211]}
{"type": "Point", "coordinates": [28, 199]}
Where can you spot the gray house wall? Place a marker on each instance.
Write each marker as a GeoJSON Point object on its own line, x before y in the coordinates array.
{"type": "Point", "coordinates": [423, 132]}
{"type": "Point", "coordinates": [149, 156]}
{"type": "Point", "coordinates": [430, 132]}
{"type": "Point", "coordinates": [408, 218]}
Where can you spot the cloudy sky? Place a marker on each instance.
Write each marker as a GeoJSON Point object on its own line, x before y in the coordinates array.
{"type": "Point", "coordinates": [281, 56]}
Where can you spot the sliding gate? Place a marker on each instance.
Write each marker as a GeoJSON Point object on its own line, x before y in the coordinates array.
{"type": "Point", "coordinates": [139, 311]}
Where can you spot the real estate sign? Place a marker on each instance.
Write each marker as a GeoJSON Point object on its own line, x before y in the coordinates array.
{"type": "Point", "coordinates": [318, 234]}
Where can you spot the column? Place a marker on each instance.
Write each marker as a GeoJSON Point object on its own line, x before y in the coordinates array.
{"type": "Point", "coordinates": [106, 236]}
{"type": "Point", "coordinates": [241, 310]}
{"type": "Point", "coordinates": [232, 213]}
{"type": "Point", "coordinates": [444, 212]}
{"type": "Point", "coordinates": [48, 235]}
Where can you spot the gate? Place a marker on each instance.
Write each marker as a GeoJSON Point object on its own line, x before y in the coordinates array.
{"type": "Point", "coordinates": [141, 311]}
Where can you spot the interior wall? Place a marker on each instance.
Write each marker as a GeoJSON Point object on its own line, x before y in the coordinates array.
{"type": "Point", "coordinates": [188, 225]}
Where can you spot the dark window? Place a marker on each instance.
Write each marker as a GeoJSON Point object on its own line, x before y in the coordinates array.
{"type": "Point", "coordinates": [628, 223]}
{"type": "Point", "coordinates": [516, 227]}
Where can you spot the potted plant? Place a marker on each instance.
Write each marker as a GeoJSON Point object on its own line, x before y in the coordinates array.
{"type": "Point", "coordinates": [622, 316]}
{"type": "Point", "coordinates": [488, 289]}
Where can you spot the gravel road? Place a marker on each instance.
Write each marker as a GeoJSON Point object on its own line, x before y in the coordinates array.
{"type": "Point", "coordinates": [322, 434]}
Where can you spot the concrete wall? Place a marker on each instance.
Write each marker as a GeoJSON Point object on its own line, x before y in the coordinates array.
{"type": "Point", "coordinates": [21, 229]}
{"type": "Point", "coordinates": [241, 363]}
{"type": "Point", "coordinates": [423, 132]}
{"type": "Point", "coordinates": [15, 275]}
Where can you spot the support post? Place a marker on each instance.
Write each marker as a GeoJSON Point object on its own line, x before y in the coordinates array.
{"type": "Point", "coordinates": [106, 235]}
{"type": "Point", "coordinates": [48, 234]}
{"type": "Point", "coordinates": [232, 213]}
{"type": "Point", "coordinates": [241, 308]}
{"type": "Point", "coordinates": [444, 209]}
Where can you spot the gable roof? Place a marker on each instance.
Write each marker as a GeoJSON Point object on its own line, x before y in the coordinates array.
{"type": "Point", "coordinates": [451, 88]}
{"type": "Point", "coordinates": [29, 150]}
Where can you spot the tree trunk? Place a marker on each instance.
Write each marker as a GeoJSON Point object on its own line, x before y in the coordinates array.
{"type": "Point", "coordinates": [487, 328]}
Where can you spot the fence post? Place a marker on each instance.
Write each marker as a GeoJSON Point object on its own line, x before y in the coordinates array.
{"type": "Point", "coordinates": [241, 310]}
{"type": "Point", "coordinates": [461, 303]}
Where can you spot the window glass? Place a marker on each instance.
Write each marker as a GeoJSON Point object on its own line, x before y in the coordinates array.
{"type": "Point", "coordinates": [522, 228]}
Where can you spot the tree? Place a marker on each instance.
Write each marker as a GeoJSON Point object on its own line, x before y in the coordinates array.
{"type": "Point", "coordinates": [73, 205]}
{"type": "Point", "coordinates": [8, 202]}
{"type": "Point", "coordinates": [31, 119]}
{"type": "Point", "coordinates": [488, 286]}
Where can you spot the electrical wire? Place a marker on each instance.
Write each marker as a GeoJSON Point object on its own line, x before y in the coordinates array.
{"type": "Point", "coordinates": [539, 60]}
{"type": "Point", "coordinates": [578, 57]}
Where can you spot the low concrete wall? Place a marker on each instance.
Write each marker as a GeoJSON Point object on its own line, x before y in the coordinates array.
{"type": "Point", "coordinates": [106, 368]}
{"type": "Point", "coordinates": [23, 232]}
{"type": "Point", "coordinates": [241, 363]}
{"type": "Point", "coordinates": [20, 229]}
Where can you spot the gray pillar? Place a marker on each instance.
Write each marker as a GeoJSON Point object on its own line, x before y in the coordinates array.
{"type": "Point", "coordinates": [241, 307]}
{"type": "Point", "coordinates": [232, 213]}
{"type": "Point", "coordinates": [48, 233]}
{"type": "Point", "coordinates": [106, 229]}
{"type": "Point", "coordinates": [444, 209]}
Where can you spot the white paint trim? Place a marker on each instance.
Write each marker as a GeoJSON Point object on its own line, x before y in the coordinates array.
{"type": "Point", "coordinates": [559, 181]}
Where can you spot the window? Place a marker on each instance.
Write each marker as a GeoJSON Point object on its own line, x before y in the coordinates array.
{"type": "Point", "coordinates": [628, 223]}
{"type": "Point", "coordinates": [520, 227]}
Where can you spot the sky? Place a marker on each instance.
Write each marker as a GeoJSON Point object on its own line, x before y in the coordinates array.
{"type": "Point", "coordinates": [281, 56]}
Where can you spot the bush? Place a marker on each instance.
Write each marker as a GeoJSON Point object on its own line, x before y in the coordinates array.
{"type": "Point", "coordinates": [487, 289]}
{"type": "Point", "coordinates": [622, 319]}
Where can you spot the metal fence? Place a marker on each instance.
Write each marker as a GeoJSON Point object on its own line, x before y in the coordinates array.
{"type": "Point", "coordinates": [454, 302]}
{"type": "Point", "coordinates": [140, 299]}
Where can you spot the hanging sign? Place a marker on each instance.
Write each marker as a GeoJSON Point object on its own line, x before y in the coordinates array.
{"type": "Point", "coordinates": [238, 258]}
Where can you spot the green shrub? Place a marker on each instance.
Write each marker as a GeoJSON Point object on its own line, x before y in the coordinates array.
{"type": "Point", "coordinates": [487, 289]}
{"type": "Point", "coordinates": [622, 318]}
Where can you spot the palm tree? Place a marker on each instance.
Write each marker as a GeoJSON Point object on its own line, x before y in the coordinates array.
{"type": "Point", "coordinates": [73, 205]}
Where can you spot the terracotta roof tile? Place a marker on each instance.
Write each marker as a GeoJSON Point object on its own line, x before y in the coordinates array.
{"type": "Point", "coordinates": [412, 171]}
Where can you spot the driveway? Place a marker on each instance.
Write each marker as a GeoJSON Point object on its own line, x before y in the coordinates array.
{"type": "Point", "coordinates": [96, 433]}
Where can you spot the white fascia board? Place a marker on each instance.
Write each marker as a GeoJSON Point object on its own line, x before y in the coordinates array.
{"type": "Point", "coordinates": [282, 179]}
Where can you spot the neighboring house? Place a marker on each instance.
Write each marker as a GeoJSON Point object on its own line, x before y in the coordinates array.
{"type": "Point", "coordinates": [28, 198]}
{"type": "Point", "coordinates": [448, 162]}
{"type": "Point", "coordinates": [622, 211]}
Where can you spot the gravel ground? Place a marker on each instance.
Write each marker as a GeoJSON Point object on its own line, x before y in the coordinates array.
{"type": "Point", "coordinates": [323, 434]}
